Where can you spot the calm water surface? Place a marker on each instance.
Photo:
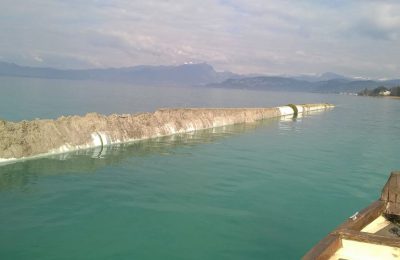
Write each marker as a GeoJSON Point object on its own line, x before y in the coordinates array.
{"type": "Point", "coordinates": [258, 191]}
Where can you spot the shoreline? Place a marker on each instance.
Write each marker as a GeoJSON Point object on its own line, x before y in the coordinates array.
{"type": "Point", "coordinates": [391, 97]}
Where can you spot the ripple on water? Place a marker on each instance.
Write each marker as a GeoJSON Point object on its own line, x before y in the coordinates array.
{"type": "Point", "coordinates": [240, 192]}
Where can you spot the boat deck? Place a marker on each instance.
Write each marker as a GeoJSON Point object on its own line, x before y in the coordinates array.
{"type": "Point", "coordinates": [355, 250]}
{"type": "Point", "coordinates": [383, 227]}
{"type": "Point", "coordinates": [373, 233]}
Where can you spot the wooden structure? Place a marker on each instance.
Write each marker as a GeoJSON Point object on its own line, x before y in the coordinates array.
{"type": "Point", "coordinates": [373, 233]}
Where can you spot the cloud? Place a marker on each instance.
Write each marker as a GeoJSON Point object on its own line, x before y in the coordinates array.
{"type": "Point", "coordinates": [380, 21]}
{"type": "Point", "coordinates": [288, 36]}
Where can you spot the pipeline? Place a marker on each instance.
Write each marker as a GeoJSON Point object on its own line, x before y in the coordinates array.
{"type": "Point", "coordinates": [30, 139]}
{"type": "Point", "coordinates": [102, 145]}
{"type": "Point", "coordinates": [295, 110]}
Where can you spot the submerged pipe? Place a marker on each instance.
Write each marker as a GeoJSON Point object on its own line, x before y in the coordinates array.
{"type": "Point", "coordinates": [27, 139]}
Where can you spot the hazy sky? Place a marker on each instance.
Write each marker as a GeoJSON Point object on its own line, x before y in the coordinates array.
{"type": "Point", "coordinates": [358, 38]}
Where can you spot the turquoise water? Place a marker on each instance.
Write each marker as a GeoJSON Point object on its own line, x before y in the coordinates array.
{"type": "Point", "coordinates": [258, 191]}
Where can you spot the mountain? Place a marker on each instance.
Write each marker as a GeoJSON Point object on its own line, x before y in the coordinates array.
{"type": "Point", "coordinates": [186, 74]}
{"type": "Point", "coordinates": [320, 77]}
{"type": "Point", "coordinates": [330, 76]}
{"type": "Point", "coordinates": [203, 74]}
{"type": "Point", "coordinates": [335, 85]}
{"type": "Point", "coordinates": [273, 83]}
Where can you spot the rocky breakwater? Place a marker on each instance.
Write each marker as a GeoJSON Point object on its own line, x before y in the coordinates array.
{"type": "Point", "coordinates": [26, 139]}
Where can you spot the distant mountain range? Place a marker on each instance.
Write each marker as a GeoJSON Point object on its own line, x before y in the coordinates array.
{"type": "Point", "coordinates": [335, 85]}
{"type": "Point", "coordinates": [186, 74]}
{"type": "Point", "coordinates": [203, 74]}
{"type": "Point", "coordinates": [322, 77]}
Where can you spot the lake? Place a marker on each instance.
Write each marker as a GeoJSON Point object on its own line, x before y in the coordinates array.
{"type": "Point", "coordinates": [269, 190]}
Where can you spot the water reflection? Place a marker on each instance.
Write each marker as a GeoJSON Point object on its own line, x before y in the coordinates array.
{"type": "Point", "coordinates": [88, 161]}
{"type": "Point", "coordinates": [290, 123]}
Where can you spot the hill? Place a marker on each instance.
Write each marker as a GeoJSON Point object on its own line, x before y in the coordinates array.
{"type": "Point", "coordinates": [186, 74]}
{"type": "Point", "coordinates": [203, 74]}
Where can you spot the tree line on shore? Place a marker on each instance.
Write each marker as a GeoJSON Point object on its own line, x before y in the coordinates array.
{"type": "Point", "coordinates": [381, 91]}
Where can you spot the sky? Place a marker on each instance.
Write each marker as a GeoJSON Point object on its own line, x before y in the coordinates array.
{"type": "Point", "coordinates": [354, 38]}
